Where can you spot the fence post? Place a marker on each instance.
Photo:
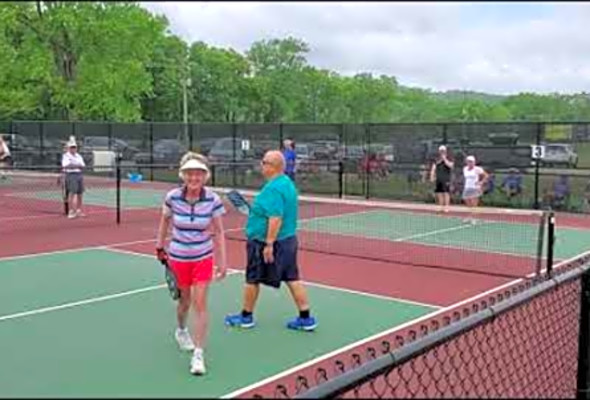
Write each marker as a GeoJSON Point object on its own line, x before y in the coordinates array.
{"type": "Point", "coordinates": [368, 164]}
{"type": "Point", "coordinates": [537, 165]}
{"type": "Point", "coordinates": [151, 144]}
{"type": "Point", "coordinates": [445, 137]}
{"type": "Point", "coordinates": [110, 133]}
{"type": "Point", "coordinates": [344, 149]}
{"type": "Point", "coordinates": [340, 179]}
{"type": "Point", "coordinates": [42, 141]}
{"type": "Point", "coordinates": [118, 187]}
{"type": "Point", "coordinates": [584, 339]}
{"type": "Point", "coordinates": [190, 137]}
{"type": "Point", "coordinates": [234, 148]}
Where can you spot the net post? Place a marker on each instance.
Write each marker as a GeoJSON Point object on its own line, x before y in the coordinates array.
{"type": "Point", "coordinates": [550, 242]}
{"type": "Point", "coordinates": [118, 187]}
{"type": "Point", "coordinates": [541, 242]}
{"type": "Point", "coordinates": [583, 387]}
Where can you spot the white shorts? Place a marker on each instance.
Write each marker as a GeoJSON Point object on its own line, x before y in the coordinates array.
{"type": "Point", "coordinates": [471, 193]}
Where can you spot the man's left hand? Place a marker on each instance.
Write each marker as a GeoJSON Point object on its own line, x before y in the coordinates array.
{"type": "Point", "coordinates": [267, 253]}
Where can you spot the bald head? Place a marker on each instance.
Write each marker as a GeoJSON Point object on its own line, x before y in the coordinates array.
{"type": "Point", "coordinates": [273, 163]}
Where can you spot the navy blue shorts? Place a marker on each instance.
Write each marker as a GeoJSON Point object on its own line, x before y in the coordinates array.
{"type": "Point", "coordinates": [283, 269]}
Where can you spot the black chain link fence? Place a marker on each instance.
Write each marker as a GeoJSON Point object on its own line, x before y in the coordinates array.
{"type": "Point", "coordinates": [527, 341]}
{"type": "Point", "coordinates": [387, 161]}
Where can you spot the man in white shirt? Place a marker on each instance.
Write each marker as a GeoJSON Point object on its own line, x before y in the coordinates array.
{"type": "Point", "coordinates": [72, 164]}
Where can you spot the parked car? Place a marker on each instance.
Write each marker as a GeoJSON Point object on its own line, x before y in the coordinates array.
{"type": "Point", "coordinates": [168, 151]}
{"type": "Point", "coordinates": [223, 150]}
{"type": "Point", "coordinates": [101, 143]}
{"type": "Point", "coordinates": [560, 154]}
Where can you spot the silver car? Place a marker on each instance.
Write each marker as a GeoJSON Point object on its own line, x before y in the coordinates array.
{"type": "Point", "coordinates": [560, 154]}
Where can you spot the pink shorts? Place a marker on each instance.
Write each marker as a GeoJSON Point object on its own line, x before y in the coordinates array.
{"type": "Point", "coordinates": [189, 273]}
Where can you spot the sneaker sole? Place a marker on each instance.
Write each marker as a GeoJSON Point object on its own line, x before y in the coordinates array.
{"type": "Point", "coordinates": [304, 328]}
{"type": "Point", "coordinates": [243, 326]}
{"type": "Point", "coordinates": [197, 373]}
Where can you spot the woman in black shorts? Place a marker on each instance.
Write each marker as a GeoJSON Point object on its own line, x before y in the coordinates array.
{"type": "Point", "coordinates": [440, 175]}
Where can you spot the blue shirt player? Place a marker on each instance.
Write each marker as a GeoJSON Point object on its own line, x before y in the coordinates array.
{"type": "Point", "coordinates": [290, 158]}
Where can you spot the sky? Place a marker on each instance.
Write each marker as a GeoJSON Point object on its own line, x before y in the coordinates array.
{"type": "Point", "coordinates": [493, 47]}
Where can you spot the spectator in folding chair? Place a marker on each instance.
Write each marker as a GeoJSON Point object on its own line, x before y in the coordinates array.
{"type": "Point", "coordinates": [490, 185]}
{"type": "Point", "coordinates": [512, 183]}
{"type": "Point", "coordinates": [558, 198]}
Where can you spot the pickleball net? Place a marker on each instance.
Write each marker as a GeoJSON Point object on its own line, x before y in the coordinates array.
{"type": "Point", "coordinates": [490, 241]}
{"type": "Point", "coordinates": [500, 242]}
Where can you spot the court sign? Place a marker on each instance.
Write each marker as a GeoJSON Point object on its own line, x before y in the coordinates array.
{"type": "Point", "coordinates": [537, 152]}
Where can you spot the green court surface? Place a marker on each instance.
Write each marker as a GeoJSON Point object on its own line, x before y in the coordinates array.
{"type": "Point", "coordinates": [505, 237]}
{"type": "Point", "coordinates": [448, 231]}
{"type": "Point", "coordinates": [106, 197]}
{"type": "Point", "coordinates": [65, 332]}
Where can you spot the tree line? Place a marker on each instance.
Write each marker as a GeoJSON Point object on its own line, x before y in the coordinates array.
{"type": "Point", "coordinates": [116, 61]}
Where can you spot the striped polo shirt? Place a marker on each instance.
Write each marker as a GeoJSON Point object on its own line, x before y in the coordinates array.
{"type": "Point", "coordinates": [191, 237]}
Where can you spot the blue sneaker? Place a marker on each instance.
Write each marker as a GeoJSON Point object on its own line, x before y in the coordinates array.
{"type": "Point", "coordinates": [302, 324]}
{"type": "Point", "coordinates": [240, 321]}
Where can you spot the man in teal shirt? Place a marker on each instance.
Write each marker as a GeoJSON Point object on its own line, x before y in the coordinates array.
{"type": "Point", "coordinates": [272, 245]}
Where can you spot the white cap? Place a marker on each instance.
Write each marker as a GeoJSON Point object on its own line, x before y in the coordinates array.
{"type": "Point", "coordinates": [194, 164]}
{"type": "Point", "coordinates": [470, 158]}
{"type": "Point", "coordinates": [442, 148]}
{"type": "Point", "coordinates": [72, 142]}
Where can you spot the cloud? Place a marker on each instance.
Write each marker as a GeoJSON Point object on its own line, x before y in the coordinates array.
{"type": "Point", "coordinates": [493, 47]}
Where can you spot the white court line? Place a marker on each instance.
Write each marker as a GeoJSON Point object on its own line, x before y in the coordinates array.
{"type": "Point", "coordinates": [431, 233]}
{"type": "Point", "coordinates": [390, 331]}
{"type": "Point", "coordinates": [320, 285]}
{"type": "Point", "coordinates": [79, 303]}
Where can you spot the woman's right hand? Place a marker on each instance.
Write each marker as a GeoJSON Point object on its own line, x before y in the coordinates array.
{"type": "Point", "coordinates": [161, 255]}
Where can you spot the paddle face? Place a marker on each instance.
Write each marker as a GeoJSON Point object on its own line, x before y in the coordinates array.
{"type": "Point", "coordinates": [171, 281]}
{"type": "Point", "coordinates": [239, 202]}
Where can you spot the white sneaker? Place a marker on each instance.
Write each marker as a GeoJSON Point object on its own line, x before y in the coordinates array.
{"type": "Point", "coordinates": [184, 340]}
{"type": "Point", "coordinates": [198, 363]}
{"type": "Point", "coordinates": [72, 214]}
{"type": "Point", "coordinates": [79, 213]}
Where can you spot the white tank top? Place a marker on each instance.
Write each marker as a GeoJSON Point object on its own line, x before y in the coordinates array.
{"type": "Point", "coordinates": [472, 177]}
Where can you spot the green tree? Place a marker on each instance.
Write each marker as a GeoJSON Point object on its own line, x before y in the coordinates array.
{"type": "Point", "coordinates": [219, 90]}
{"type": "Point", "coordinates": [98, 50]}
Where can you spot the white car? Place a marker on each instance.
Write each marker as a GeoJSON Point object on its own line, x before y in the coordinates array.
{"type": "Point", "coordinates": [560, 154]}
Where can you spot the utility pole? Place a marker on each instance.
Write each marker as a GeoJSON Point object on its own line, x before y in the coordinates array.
{"type": "Point", "coordinates": [186, 84]}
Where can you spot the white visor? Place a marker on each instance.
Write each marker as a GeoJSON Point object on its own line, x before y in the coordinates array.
{"type": "Point", "coordinates": [470, 158]}
{"type": "Point", "coordinates": [194, 164]}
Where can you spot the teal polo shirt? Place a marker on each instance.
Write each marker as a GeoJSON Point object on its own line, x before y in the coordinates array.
{"type": "Point", "coordinates": [278, 198]}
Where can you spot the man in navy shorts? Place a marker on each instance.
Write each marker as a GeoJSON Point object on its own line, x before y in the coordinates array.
{"type": "Point", "coordinates": [272, 246]}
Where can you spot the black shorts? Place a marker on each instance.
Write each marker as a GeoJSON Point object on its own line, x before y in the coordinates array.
{"type": "Point", "coordinates": [442, 187]}
{"type": "Point", "coordinates": [283, 269]}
